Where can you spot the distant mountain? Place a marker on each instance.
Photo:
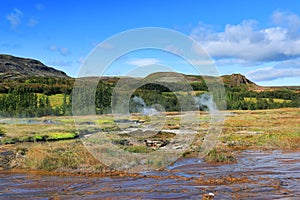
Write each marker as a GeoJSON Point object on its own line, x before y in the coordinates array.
{"type": "Point", "coordinates": [236, 80]}
{"type": "Point", "coordinates": [233, 80]}
{"type": "Point", "coordinates": [12, 68]}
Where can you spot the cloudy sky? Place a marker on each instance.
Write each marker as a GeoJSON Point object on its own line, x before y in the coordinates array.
{"type": "Point", "coordinates": [260, 39]}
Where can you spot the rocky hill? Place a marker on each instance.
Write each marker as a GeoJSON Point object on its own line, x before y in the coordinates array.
{"type": "Point", "coordinates": [12, 67]}
{"type": "Point", "coordinates": [236, 80]}
{"type": "Point", "coordinates": [15, 68]}
{"type": "Point", "coordinates": [233, 80]}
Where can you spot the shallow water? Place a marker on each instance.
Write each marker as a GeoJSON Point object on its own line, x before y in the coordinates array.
{"type": "Point", "coordinates": [256, 175]}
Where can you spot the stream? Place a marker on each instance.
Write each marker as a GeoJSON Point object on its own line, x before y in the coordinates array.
{"type": "Point", "coordinates": [256, 175]}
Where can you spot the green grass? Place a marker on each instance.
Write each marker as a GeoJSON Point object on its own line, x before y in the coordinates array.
{"type": "Point", "coordinates": [276, 100]}
{"type": "Point", "coordinates": [61, 135]}
{"type": "Point", "coordinates": [105, 121]}
{"type": "Point", "coordinates": [55, 100]}
{"type": "Point", "coordinates": [40, 137]}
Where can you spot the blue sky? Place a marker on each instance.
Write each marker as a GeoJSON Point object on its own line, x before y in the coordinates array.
{"type": "Point", "coordinates": [260, 39]}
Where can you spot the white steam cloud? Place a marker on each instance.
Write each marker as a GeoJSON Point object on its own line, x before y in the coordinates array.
{"type": "Point", "coordinates": [143, 108]}
{"type": "Point", "coordinates": [206, 100]}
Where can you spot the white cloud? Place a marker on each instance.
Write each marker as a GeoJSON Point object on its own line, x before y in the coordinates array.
{"type": "Point", "coordinates": [15, 18]}
{"type": "Point", "coordinates": [143, 61]}
{"type": "Point", "coordinates": [287, 19]}
{"type": "Point", "coordinates": [247, 42]}
{"type": "Point", "coordinates": [61, 50]}
{"type": "Point", "coordinates": [230, 62]}
{"type": "Point", "coordinates": [290, 68]}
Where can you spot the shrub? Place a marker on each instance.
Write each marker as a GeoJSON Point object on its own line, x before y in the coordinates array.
{"type": "Point", "coordinates": [219, 157]}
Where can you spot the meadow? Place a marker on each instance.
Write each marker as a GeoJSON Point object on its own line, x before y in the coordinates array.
{"type": "Point", "coordinates": [56, 144]}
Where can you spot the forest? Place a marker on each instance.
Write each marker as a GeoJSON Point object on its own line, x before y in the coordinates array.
{"type": "Point", "coordinates": [31, 97]}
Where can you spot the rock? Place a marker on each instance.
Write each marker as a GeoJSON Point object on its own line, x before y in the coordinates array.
{"type": "Point", "coordinates": [6, 159]}
{"type": "Point", "coordinates": [156, 143]}
{"type": "Point", "coordinates": [10, 159]}
{"type": "Point", "coordinates": [208, 196]}
{"type": "Point", "coordinates": [235, 80]}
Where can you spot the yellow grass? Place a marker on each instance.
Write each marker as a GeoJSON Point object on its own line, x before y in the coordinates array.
{"type": "Point", "coordinates": [278, 128]}
{"type": "Point", "coordinates": [266, 129]}
{"type": "Point", "coordinates": [276, 100]}
{"type": "Point", "coordinates": [56, 99]}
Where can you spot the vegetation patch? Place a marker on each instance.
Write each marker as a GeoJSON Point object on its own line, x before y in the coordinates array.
{"type": "Point", "coordinates": [138, 149]}
{"type": "Point", "coordinates": [270, 100]}
{"type": "Point", "coordinates": [278, 128]}
{"type": "Point", "coordinates": [122, 142]}
{"type": "Point", "coordinates": [40, 138]}
{"type": "Point", "coordinates": [2, 133]}
{"type": "Point", "coordinates": [163, 135]}
{"type": "Point", "coordinates": [219, 157]}
{"type": "Point", "coordinates": [60, 155]}
{"type": "Point", "coordinates": [105, 121]}
{"type": "Point", "coordinates": [61, 136]}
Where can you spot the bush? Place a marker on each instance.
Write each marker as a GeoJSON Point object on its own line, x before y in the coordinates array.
{"type": "Point", "coordinates": [59, 158]}
{"type": "Point", "coordinates": [219, 157]}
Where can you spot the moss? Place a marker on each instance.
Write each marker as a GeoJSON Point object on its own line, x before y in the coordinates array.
{"type": "Point", "coordinates": [105, 121]}
{"type": "Point", "coordinates": [61, 135]}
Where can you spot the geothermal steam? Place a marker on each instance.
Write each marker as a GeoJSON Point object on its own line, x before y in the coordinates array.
{"type": "Point", "coordinates": [143, 108]}
{"type": "Point", "coordinates": [207, 101]}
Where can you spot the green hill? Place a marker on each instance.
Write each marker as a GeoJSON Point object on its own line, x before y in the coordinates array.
{"type": "Point", "coordinates": [12, 68]}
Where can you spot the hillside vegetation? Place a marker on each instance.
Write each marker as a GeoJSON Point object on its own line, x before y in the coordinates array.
{"type": "Point", "coordinates": [28, 88]}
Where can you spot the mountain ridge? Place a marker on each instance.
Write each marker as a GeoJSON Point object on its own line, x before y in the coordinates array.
{"type": "Point", "coordinates": [12, 67]}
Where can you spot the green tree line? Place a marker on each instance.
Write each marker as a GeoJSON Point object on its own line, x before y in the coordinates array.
{"type": "Point", "coordinates": [24, 101]}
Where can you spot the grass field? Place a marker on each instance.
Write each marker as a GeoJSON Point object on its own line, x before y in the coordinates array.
{"type": "Point", "coordinates": [195, 92]}
{"type": "Point", "coordinates": [276, 100]}
{"type": "Point", "coordinates": [262, 129]}
{"type": "Point", "coordinates": [279, 128]}
{"type": "Point", "coordinates": [56, 99]}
